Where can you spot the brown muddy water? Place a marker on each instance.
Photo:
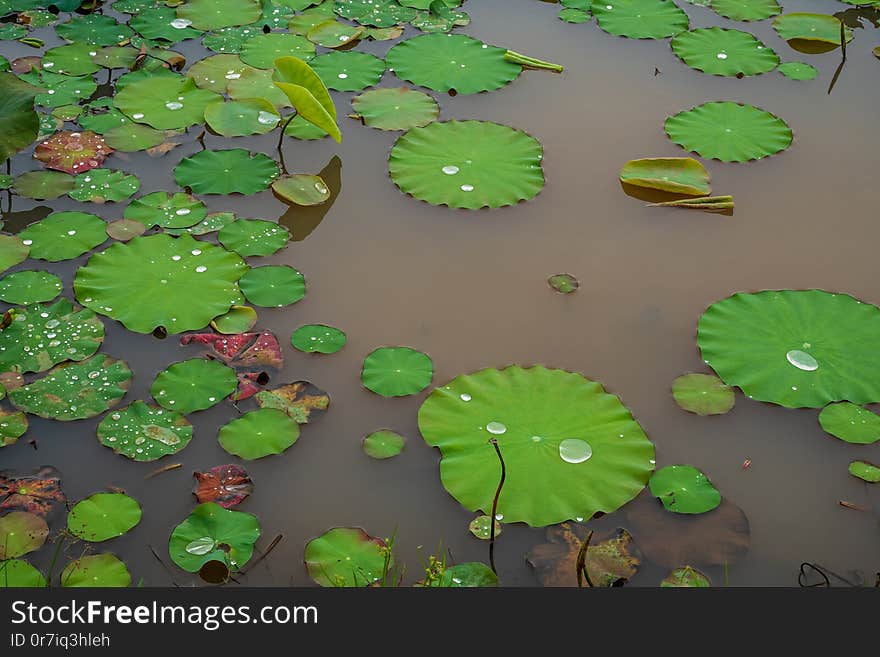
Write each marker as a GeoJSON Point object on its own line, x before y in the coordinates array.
{"type": "Point", "coordinates": [469, 288]}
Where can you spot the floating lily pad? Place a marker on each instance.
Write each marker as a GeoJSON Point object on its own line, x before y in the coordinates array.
{"type": "Point", "coordinates": [729, 132]}
{"type": "Point", "coordinates": [377, 13]}
{"type": "Point", "coordinates": [13, 425]}
{"type": "Point", "coordinates": [383, 444]}
{"type": "Point", "coordinates": [850, 423]}
{"type": "Point", "coordinates": [162, 24]}
{"type": "Point", "coordinates": [103, 516]}
{"type": "Point", "coordinates": [216, 72]}
{"type": "Point", "coordinates": [481, 527]}
{"type": "Point", "coordinates": [24, 287]}
{"type": "Point", "coordinates": [686, 577]}
{"type": "Point", "coordinates": [213, 222]}
{"type": "Point", "coordinates": [334, 34]}
{"type": "Point", "coordinates": [238, 320]}
{"type": "Point", "coordinates": [43, 185]}
{"type": "Point", "coordinates": [778, 346]}
{"type": "Point", "coordinates": [468, 575]}
{"type": "Point", "coordinates": [125, 229]}
{"type": "Point", "coordinates": [682, 175]}
{"type": "Point", "coordinates": [144, 433]}
{"type": "Point", "coordinates": [318, 338]}
{"type": "Point", "coordinates": [746, 10]}
{"type": "Point", "coordinates": [180, 283]}
{"type": "Point", "coordinates": [564, 283]}
{"type": "Point", "coordinates": [20, 123]}
{"type": "Point", "coordinates": [702, 394]}
{"type": "Point", "coordinates": [306, 21]}
{"type": "Point", "coordinates": [227, 485]}
{"type": "Point", "coordinates": [798, 71]}
{"type": "Point", "coordinates": [348, 71]}
{"type": "Point", "coordinates": [38, 491]}
{"type": "Point", "coordinates": [259, 433]}
{"type": "Point", "coordinates": [103, 186]}
{"type": "Point", "coordinates": [176, 210]}
{"type": "Point", "coordinates": [74, 60]}
{"type": "Point", "coordinates": [724, 52]}
{"type": "Point", "coordinates": [301, 189]}
{"type": "Point", "coordinates": [395, 108]}
{"type": "Point", "coordinates": [230, 39]}
{"type": "Point", "coordinates": [165, 102]}
{"type": "Point", "coordinates": [273, 286]}
{"type": "Point", "coordinates": [60, 89]}
{"type": "Point", "coordinates": [193, 385]}
{"type": "Point", "coordinates": [212, 533]}
{"type": "Point", "coordinates": [217, 14]}
{"type": "Point", "coordinates": [253, 237]}
{"type": "Point", "coordinates": [94, 29]}
{"type": "Point", "coordinates": [684, 489]}
{"type": "Point", "coordinates": [20, 533]}
{"type": "Point", "coordinates": [571, 448]}
{"type": "Point", "coordinates": [12, 251]}
{"type": "Point", "coordinates": [133, 137]}
{"type": "Point", "coordinates": [640, 19]}
{"type": "Point", "coordinates": [96, 571]}
{"type": "Point", "coordinates": [301, 400]}
{"type": "Point", "coordinates": [75, 391]}
{"type": "Point", "coordinates": [232, 171]}
{"type": "Point", "coordinates": [811, 27]}
{"type": "Point", "coordinates": [19, 574]}
{"type": "Point", "coordinates": [445, 62]}
{"type": "Point", "coordinates": [865, 471]}
{"type": "Point", "coordinates": [397, 371]}
{"type": "Point", "coordinates": [467, 164]}
{"type": "Point", "coordinates": [572, 15]}
{"type": "Point", "coordinates": [262, 50]}
{"type": "Point", "coordinates": [346, 557]}
{"type": "Point", "coordinates": [64, 235]}
{"type": "Point", "coordinates": [239, 118]}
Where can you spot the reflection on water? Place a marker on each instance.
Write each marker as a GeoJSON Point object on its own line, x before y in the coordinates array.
{"type": "Point", "coordinates": [302, 220]}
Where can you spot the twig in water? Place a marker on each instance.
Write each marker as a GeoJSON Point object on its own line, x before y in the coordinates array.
{"type": "Point", "coordinates": [275, 541]}
{"type": "Point", "coordinates": [842, 59]}
{"type": "Point", "coordinates": [582, 572]}
{"type": "Point", "coordinates": [851, 505]}
{"type": "Point", "coordinates": [167, 569]}
{"type": "Point", "coordinates": [495, 507]}
{"type": "Point", "coordinates": [164, 468]}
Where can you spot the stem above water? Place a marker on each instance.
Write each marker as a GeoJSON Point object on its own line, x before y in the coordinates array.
{"type": "Point", "coordinates": [495, 507]}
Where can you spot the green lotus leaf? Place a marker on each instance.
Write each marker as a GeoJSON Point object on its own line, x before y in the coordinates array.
{"type": "Point", "coordinates": [746, 10]}
{"type": "Point", "coordinates": [12, 251]}
{"type": "Point", "coordinates": [318, 338]}
{"type": "Point", "coordinates": [301, 400]}
{"type": "Point", "coordinates": [43, 185]}
{"type": "Point", "coordinates": [229, 39]}
{"type": "Point", "coordinates": [348, 71]}
{"type": "Point", "coordinates": [165, 102]}
{"type": "Point", "coordinates": [729, 132]}
{"type": "Point", "coordinates": [273, 286]}
{"type": "Point", "coordinates": [442, 62]}
{"type": "Point", "coordinates": [439, 19]}
{"type": "Point", "coordinates": [798, 71]}
{"type": "Point", "coordinates": [778, 346]}
{"type": "Point", "coordinates": [811, 27]}
{"type": "Point", "coordinates": [11, 31]}
{"type": "Point", "coordinates": [572, 15]}
{"type": "Point", "coordinates": [6, 180]}
{"type": "Point", "coordinates": [724, 52]}
{"type": "Point", "coordinates": [681, 175]}
{"type": "Point", "coordinates": [570, 448]}
{"type": "Point", "coordinates": [13, 425]}
{"type": "Point", "coordinates": [212, 533]}
{"type": "Point", "coordinates": [301, 189]}
{"type": "Point", "coordinates": [116, 56]}
{"type": "Point", "coordinates": [468, 575]}
{"type": "Point", "coordinates": [259, 433]}
{"type": "Point", "coordinates": [19, 574]}
{"type": "Point", "coordinates": [257, 83]}
{"type": "Point", "coordinates": [94, 29]}
{"type": "Point", "coordinates": [307, 93]}
{"type": "Point", "coordinates": [162, 24]}
{"type": "Point", "coordinates": [210, 224]}
{"type": "Point", "coordinates": [60, 89]}
{"type": "Point", "coordinates": [38, 18]}
{"type": "Point", "coordinates": [253, 237]}
{"type": "Point", "coordinates": [232, 171]}
{"type": "Point", "coordinates": [684, 489]}
{"type": "Point", "coordinates": [303, 23]}
{"type": "Point", "coordinates": [383, 444]}
{"type": "Point", "coordinates": [99, 120]}
{"type": "Point", "coordinates": [346, 557]}
{"type": "Point", "coordinates": [239, 319]}
{"type": "Point", "coordinates": [103, 516]}
{"type": "Point", "coordinates": [74, 391]}
{"type": "Point", "coordinates": [262, 50]}
{"type": "Point", "coordinates": [481, 527]}
{"type": "Point", "coordinates": [426, 4]}
{"type": "Point", "coordinates": [181, 284]}
{"type": "Point", "coordinates": [74, 59]}
{"type": "Point", "coordinates": [275, 16]}
{"type": "Point", "coordinates": [67, 112]}
{"type": "Point", "coordinates": [215, 73]}
{"type": "Point", "coordinates": [134, 137]}
{"type": "Point", "coordinates": [334, 34]}
{"type": "Point", "coordinates": [686, 577]}
{"type": "Point", "coordinates": [193, 385]}
{"type": "Point", "coordinates": [39, 337]}
{"type": "Point", "coordinates": [564, 283]}
{"type": "Point", "coordinates": [24, 287]}
{"type": "Point", "coordinates": [397, 371]}
{"type": "Point", "coordinates": [217, 14]}
{"type": "Point", "coordinates": [176, 210]}
{"type": "Point", "coordinates": [239, 118]}
{"type": "Point", "coordinates": [396, 108]}
{"type": "Point", "coordinates": [104, 186]}
{"type": "Point", "coordinates": [96, 571]}
{"type": "Point", "coordinates": [640, 19]}
{"type": "Point", "coordinates": [377, 13]}
{"type": "Point", "coordinates": [467, 164]}
{"type": "Point", "coordinates": [144, 433]}
{"type": "Point", "coordinates": [702, 394]}
{"type": "Point", "coordinates": [20, 533]}
{"type": "Point", "coordinates": [860, 469]}
{"type": "Point", "coordinates": [64, 235]}
{"type": "Point", "coordinates": [19, 123]}
{"type": "Point", "coordinates": [851, 423]}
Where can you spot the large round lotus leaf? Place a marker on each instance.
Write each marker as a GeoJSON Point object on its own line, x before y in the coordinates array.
{"type": "Point", "coordinates": [746, 10]}
{"type": "Point", "coordinates": [94, 29]}
{"type": "Point", "coordinates": [12, 251]}
{"type": "Point", "coordinates": [96, 571]}
{"type": "Point", "coordinates": [262, 50]}
{"type": "Point", "coordinates": [72, 152]}
{"type": "Point", "coordinates": [162, 24]}
{"type": "Point", "coordinates": [239, 319]}
{"type": "Point", "coordinates": [729, 132]}
{"type": "Point", "coordinates": [861, 469]}
{"type": "Point", "coordinates": [98, 120]}
{"type": "Point", "coordinates": [232, 171]}
{"type": "Point", "coordinates": [467, 164]}
{"type": "Point", "coordinates": [702, 394]}
{"type": "Point", "coordinates": [133, 137]}
{"type": "Point", "coordinates": [318, 338]}
{"type": "Point", "coordinates": [810, 27]}
{"type": "Point", "coordinates": [383, 444]}
{"type": "Point", "coordinates": [257, 83]}
{"type": "Point", "coordinates": [239, 118]}
{"type": "Point", "coordinates": [19, 574]}
{"type": "Point", "coordinates": [103, 516]}
{"type": "Point", "coordinates": [273, 286]}
{"type": "Point", "coordinates": [166, 102]}
{"type": "Point", "coordinates": [306, 21]}
{"type": "Point", "coordinates": [230, 39]}
{"type": "Point", "coordinates": [176, 210]}
{"type": "Point", "coordinates": [779, 346]}
{"type": "Point", "coordinates": [180, 283]}
{"type": "Point", "coordinates": [798, 71]}
{"type": "Point", "coordinates": [39, 337]}
{"type": "Point", "coordinates": [640, 19]}
{"type": "Point", "coordinates": [74, 391]}
{"type": "Point", "coordinates": [103, 186]}
{"type": "Point", "coordinates": [684, 489]}
{"type": "Point", "coordinates": [227, 485]}
{"type": "Point", "coordinates": [348, 71]}
{"type": "Point", "coordinates": [680, 175]}
{"type": "Point", "coordinates": [29, 286]}
{"type": "Point", "coordinates": [445, 62]}
{"type": "Point", "coordinates": [253, 237]}
{"type": "Point", "coordinates": [259, 433]}
{"type": "Point", "coordinates": [74, 59]}
{"type": "Point", "coordinates": [396, 108]}
{"type": "Point", "coordinates": [377, 13]}
{"type": "Point", "coordinates": [64, 235]}
{"type": "Point", "coordinates": [216, 72]}
{"type": "Point", "coordinates": [724, 52]}
{"type": "Point", "coordinates": [301, 400]}
{"type": "Point", "coordinates": [851, 423]}
{"type": "Point", "coordinates": [13, 426]}
{"type": "Point", "coordinates": [144, 433]}
{"type": "Point", "coordinates": [212, 533]}
{"type": "Point", "coordinates": [346, 556]}
{"type": "Point", "coordinates": [216, 14]}
{"type": "Point", "coordinates": [397, 371]}
{"type": "Point", "coordinates": [193, 385]}
{"type": "Point", "coordinates": [43, 185]}
{"type": "Point", "coordinates": [686, 577]}
{"type": "Point", "coordinates": [20, 533]}
{"type": "Point", "coordinates": [570, 448]}
{"type": "Point", "coordinates": [301, 189]}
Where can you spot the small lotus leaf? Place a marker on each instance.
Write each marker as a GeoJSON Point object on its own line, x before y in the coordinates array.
{"type": "Point", "coordinates": [348, 71]}
{"type": "Point", "coordinates": [684, 489]}
{"type": "Point", "coordinates": [262, 50]}
{"type": "Point", "coordinates": [683, 175]}
{"type": "Point", "coordinates": [481, 527]}
{"type": "Point", "coordinates": [133, 137]}
{"type": "Point", "coordinates": [20, 533]}
{"type": "Point", "coordinates": [103, 516]}
{"type": "Point", "coordinates": [125, 229]}
{"type": "Point", "coordinates": [746, 10]}
{"type": "Point", "coordinates": [12, 251]}
{"type": "Point", "coordinates": [378, 13]}
{"type": "Point", "coordinates": [165, 102]}
{"type": "Point", "coordinates": [74, 59]}
{"type": "Point", "coordinates": [19, 122]}
{"type": "Point", "coordinates": [397, 371]}
{"type": "Point", "coordinates": [19, 574]}
{"type": "Point", "coordinates": [301, 189]}
{"type": "Point", "coordinates": [212, 533]}
{"type": "Point", "coordinates": [253, 237]}
{"type": "Point", "coordinates": [395, 108]}
{"type": "Point", "coordinates": [318, 338]}
{"type": "Point", "coordinates": [702, 394]}
{"type": "Point", "coordinates": [686, 577]}
{"type": "Point", "coordinates": [215, 73]}
{"type": "Point", "coordinates": [564, 283]}
{"type": "Point", "coordinates": [144, 433]}
{"type": "Point", "coordinates": [96, 571]}
{"type": "Point", "coordinates": [193, 385]}
{"type": "Point", "coordinates": [232, 171]}
{"type": "Point", "coordinates": [259, 433]}
{"type": "Point", "coordinates": [13, 425]}
{"type": "Point", "coordinates": [865, 471]}
{"type": "Point", "coordinates": [798, 71]}
{"type": "Point", "coordinates": [43, 185]}
{"type": "Point", "coordinates": [94, 29]}
{"type": "Point", "coordinates": [103, 186]}
{"type": "Point", "coordinates": [64, 235]}
{"type": "Point", "coordinates": [334, 34]}
{"type": "Point", "coordinates": [162, 24]}
{"type": "Point", "coordinates": [850, 423]}
{"type": "Point", "coordinates": [217, 14]}
{"type": "Point", "coordinates": [640, 19]}
{"type": "Point", "coordinates": [24, 287]}
{"type": "Point", "coordinates": [227, 485]}
{"type": "Point", "coordinates": [176, 210]}
{"type": "Point", "coordinates": [811, 27]}
{"type": "Point", "coordinates": [239, 118]}
{"type": "Point", "coordinates": [572, 15]}
{"type": "Point", "coordinates": [346, 557]}
{"type": "Point", "coordinates": [724, 52]}
{"type": "Point", "coordinates": [273, 286]}
{"type": "Point", "coordinates": [238, 320]}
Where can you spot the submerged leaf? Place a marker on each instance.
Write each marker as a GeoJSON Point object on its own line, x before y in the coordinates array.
{"type": "Point", "coordinates": [36, 492]}
{"type": "Point", "coordinates": [301, 400]}
{"type": "Point", "coordinates": [684, 489]}
{"type": "Point", "coordinates": [702, 394]}
{"type": "Point", "coordinates": [682, 175]}
{"type": "Point", "coordinates": [686, 577]}
{"type": "Point", "coordinates": [865, 471]}
{"type": "Point", "coordinates": [706, 203]}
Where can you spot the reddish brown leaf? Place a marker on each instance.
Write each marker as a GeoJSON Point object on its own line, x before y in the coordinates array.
{"type": "Point", "coordinates": [227, 485]}
{"type": "Point", "coordinates": [35, 492]}
{"type": "Point", "coordinates": [264, 352]}
{"type": "Point", "coordinates": [244, 350]}
{"type": "Point", "coordinates": [73, 152]}
{"type": "Point", "coordinates": [248, 386]}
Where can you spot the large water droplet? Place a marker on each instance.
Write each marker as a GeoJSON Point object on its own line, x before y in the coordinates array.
{"type": "Point", "coordinates": [467, 188]}
{"type": "Point", "coordinates": [201, 545]}
{"type": "Point", "coordinates": [450, 169]}
{"type": "Point", "coordinates": [267, 118]}
{"type": "Point", "coordinates": [465, 397]}
{"type": "Point", "coordinates": [496, 428]}
{"type": "Point", "coordinates": [575, 450]}
{"type": "Point", "coordinates": [173, 105]}
{"type": "Point", "coordinates": [181, 23]}
{"type": "Point", "coordinates": [802, 360]}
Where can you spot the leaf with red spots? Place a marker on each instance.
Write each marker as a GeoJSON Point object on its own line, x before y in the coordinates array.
{"type": "Point", "coordinates": [264, 352]}
{"type": "Point", "coordinates": [73, 152]}
{"type": "Point", "coordinates": [226, 347]}
{"type": "Point", "coordinates": [227, 485]}
{"type": "Point", "coordinates": [36, 492]}
{"type": "Point", "coordinates": [302, 401]}
{"type": "Point", "coordinates": [248, 385]}
{"type": "Point", "coordinates": [245, 350]}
